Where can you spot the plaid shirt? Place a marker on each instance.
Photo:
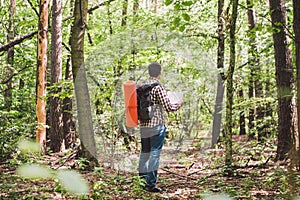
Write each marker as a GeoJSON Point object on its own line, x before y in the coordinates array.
{"type": "Point", "coordinates": [161, 102]}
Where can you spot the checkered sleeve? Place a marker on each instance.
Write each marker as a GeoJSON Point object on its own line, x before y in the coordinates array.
{"type": "Point", "coordinates": [162, 98]}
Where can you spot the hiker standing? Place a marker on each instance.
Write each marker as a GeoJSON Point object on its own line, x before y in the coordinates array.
{"type": "Point", "coordinates": [153, 131]}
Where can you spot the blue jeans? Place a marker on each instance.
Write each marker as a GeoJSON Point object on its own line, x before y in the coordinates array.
{"type": "Point", "coordinates": [152, 140]}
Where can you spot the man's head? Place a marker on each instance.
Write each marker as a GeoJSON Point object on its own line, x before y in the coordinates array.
{"type": "Point", "coordinates": [154, 69]}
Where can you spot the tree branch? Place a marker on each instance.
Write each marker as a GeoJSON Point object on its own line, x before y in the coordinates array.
{"type": "Point", "coordinates": [17, 41]}
{"type": "Point", "coordinates": [34, 9]}
{"type": "Point", "coordinates": [90, 10]}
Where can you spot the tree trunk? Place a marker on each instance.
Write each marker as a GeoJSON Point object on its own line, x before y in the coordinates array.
{"type": "Point", "coordinates": [109, 18]}
{"type": "Point", "coordinates": [284, 78]}
{"type": "Point", "coordinates": [85, 123]}
{"type": "Point", "coordinates": [155, 6]}
{"type": "Point", "coordinates": [242, 121]}
{"type": "Point", "coordinates": [296, 5]}
{"type": "Point", "coordinates": [55, 115]}
{"type": "Point", "coordinates": [10, 56]}
{"type": "Point", "coordinates": [124, 13]}
{"type": "Point", "coordinates": [69, 124]}
{"type": "Point", "coordinates": [135, 7]}
{"type": "Point", "coordinates": [69, 127]}
{"type": "Point", "coordinates": [251, 61]}
{"type": "Point", "coordinates": [256, 113]}
{"type": "Point", "coordinates": [217, 121]}
{"type": "Point", "coordinates": [256, 84]}
{"type": "Point", "coordinates": [229, 88]}
{"type": "Point", "coordinates": [41, 73]}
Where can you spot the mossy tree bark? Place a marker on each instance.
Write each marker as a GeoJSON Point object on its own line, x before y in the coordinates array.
{"type": "Point", "coordinates": [229, 86]}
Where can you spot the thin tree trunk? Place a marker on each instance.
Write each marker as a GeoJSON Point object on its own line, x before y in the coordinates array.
{"type": "Point", "coordinates": [242, 121]}
{"type": "Point", "coordinates": [217, 121]}
{"type": "Point", "coordinates": [155, 6]}
{"type": "Point", "coordinates": [251, 116]}
{"type": "Point", "coordinates": [41, 73]}
{"type": "Point", "coordinates": [109, 19]}
{"type": "Point", "coordinates": [284, 79]}
{"type": "Point", "coordinates": [251, 24]}
{"type": "Point", "coordinates": [85, 123]}
{"type": "Point", "coordinates": [124, 13]}
{"type": "Point", "coordinates": [10, 56]}
{"type": "Point", "coordinates": [55, 115]}
{"type": "Point", "coordinates": [255, 123]}
{"type": "Point", "coordinates": [69, 125]}
{"type": "Point", "coordinates": [135, 7]}
{"type": "Point", "coordinates": [229, 88]}
{"type": "Point", "coordinates": [68, 121]}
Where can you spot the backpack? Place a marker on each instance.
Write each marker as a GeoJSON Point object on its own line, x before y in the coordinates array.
{"type": "Point", "coordinates": [145, 104]}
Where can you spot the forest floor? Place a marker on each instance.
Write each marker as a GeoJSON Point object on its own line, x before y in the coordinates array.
{"type": "Point", "coordinates": [200, 175]}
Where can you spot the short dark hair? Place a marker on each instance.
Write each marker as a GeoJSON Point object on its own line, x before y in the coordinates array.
{"type": "Point", "coordinates": [154, 69]}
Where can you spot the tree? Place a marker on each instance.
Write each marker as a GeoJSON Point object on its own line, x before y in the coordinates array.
{"type": "Point", "coordinates": [229, 87]}
{"type": "Point", "coordinates": [68, 122]}
{"type": "Point", "coordinates": [296, 6]}
{"type": "Point", "coordinates": [85, 123]}
{"type": "Point", "coordinates": [252, 64]}
{"type": "Point", "coordinates": [124, 13]}
{"type": "Point", "coordinates": [284, 78]}
{"type": "Point", "coordinates": [217, 121]}
{"type": "Point", "coordinates": [10, 55]}
{"type": "Point", "coordinates": [41, 73]}
{"type": "Point", "coordinates": [55, 115]}
{"type": "Point", "coordinates": [135, 7]}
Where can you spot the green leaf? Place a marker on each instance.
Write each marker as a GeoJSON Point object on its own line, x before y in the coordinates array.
{"type": "Point", "coordinates": [186, 17]}
{"type": "Point", "coordinates": [177, 6]}
{"type": "Point", "coordinates": [176, 21]}
{"type": "Point", "coordinates": [34, 171]}
{"type": "Point", "coordinates": [187, 3]}
{"type": "Point", "coordinates": [182, 28]}
{"type": "Point", "coordinates": [168, 2]}
{"type": "Point", "coordinates": [73, 182]}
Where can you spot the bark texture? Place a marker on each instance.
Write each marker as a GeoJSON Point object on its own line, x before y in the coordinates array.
{"type": "Point", "coordinates": [217, 121]}
{"type": "Point", "coordinates": [85, 124]}
{"type": "Point", "coordinates": [230, 89]}
{"type": "Point", "coordinates": [284, 79]}
{"type": "Point", "coordinates": [55, 115]}
{"type": "Point", "coordinates": [41, 73]}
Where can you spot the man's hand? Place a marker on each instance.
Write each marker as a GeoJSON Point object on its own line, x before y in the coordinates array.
{"type": "Point", "coordinates": [181, 103]}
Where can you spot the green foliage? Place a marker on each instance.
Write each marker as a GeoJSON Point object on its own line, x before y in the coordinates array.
{"type": "Point", "coordinates": [82, 163]}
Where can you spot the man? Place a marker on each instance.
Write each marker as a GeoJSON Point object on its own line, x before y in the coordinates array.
{"type": "Point", "coordinates": [153, 131]}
